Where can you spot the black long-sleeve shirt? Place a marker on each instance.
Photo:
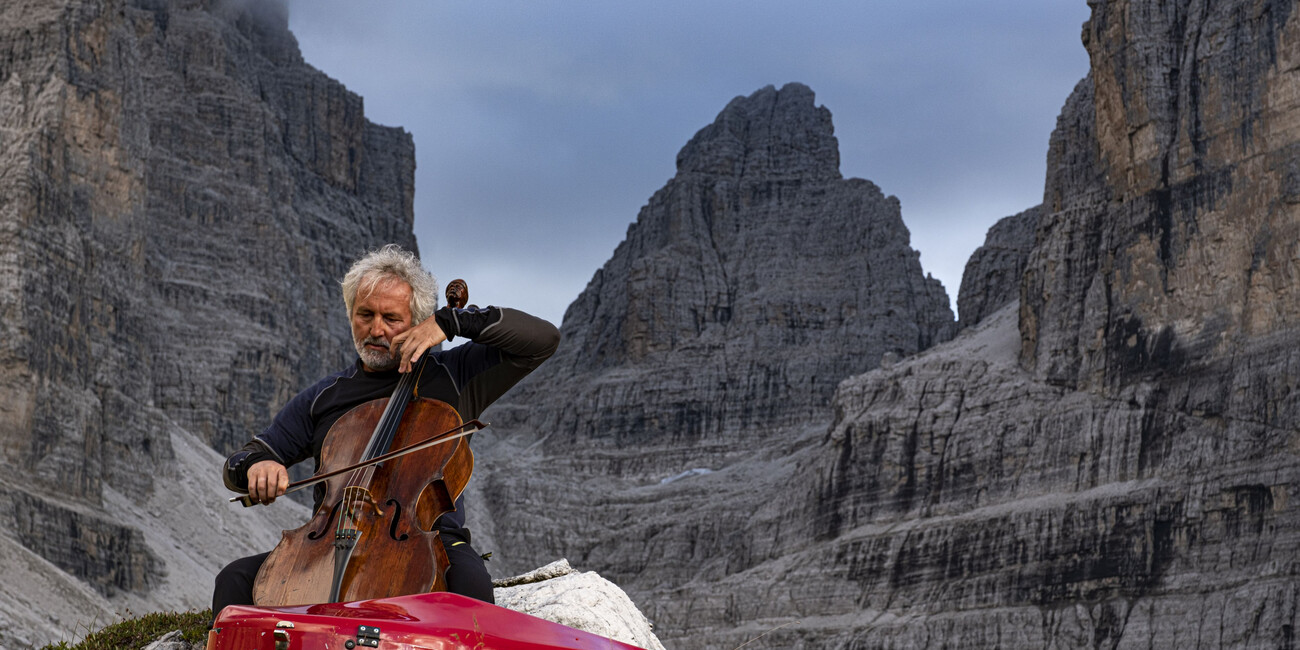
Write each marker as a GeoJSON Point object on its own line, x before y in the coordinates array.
{"type": "Point", "coordinates": [505, 345]}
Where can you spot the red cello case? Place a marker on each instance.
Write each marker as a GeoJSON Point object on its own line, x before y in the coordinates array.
{"type": "Point", "coordinates": [439, 620]}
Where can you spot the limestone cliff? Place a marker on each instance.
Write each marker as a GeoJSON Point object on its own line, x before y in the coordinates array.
{"type": "Point", "coordinates": [1177, 194]}
{"type": "Point", "coordinates": [991, 279]}
{"type": "Point", "coordinates": [757, 275]}
{"type": "Point", "coordinates": [179, 192]}
{"type": "Point", "coordinates": [702, 356]}
{"type": "Point", "coordinates": [1107, 461]}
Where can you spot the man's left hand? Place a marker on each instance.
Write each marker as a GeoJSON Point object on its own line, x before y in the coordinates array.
{"type": "Point", "coordinates": [413, 343]}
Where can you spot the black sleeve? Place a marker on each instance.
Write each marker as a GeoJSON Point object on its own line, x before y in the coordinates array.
{"type": "Point", "coordinates": [235, 470]}
{"type": "Point", "coordinates": [517, 343]}
{"type": "Point", "coordinates": [288, 439]}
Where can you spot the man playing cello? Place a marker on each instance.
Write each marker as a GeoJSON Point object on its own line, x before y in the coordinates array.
{"type": "Point", "coordinates": [390, 298]}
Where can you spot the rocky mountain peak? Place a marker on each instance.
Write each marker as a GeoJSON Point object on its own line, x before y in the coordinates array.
{"type": "Point", "coordinates": [769, 135]}
{"type": "Point", "coordinates": [736, 281]}
{"type": "Point", "coordinates": [711, 342]}
{"type": "Point", "coordinates": [991, 279]}
{"type": "Point", "coordinates": [1108, 463]}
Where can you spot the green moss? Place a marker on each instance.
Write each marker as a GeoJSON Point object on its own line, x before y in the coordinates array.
{"type": "Point", "coordinates": [139, 632]}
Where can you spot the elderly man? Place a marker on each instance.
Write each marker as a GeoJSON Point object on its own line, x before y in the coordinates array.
{"type": "Point", "coordinates": [389, 297]}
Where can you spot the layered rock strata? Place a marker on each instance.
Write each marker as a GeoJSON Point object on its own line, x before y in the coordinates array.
{"type": "Point", "coordinates": [180, 193]}
{"type": "Point", "coordinates": [960, 502]}
{"type": "Point", "coordinates": [757, 275]}
{"type": "Point", "coordinates": [992, 275]}
{"type": "Point", "coordinates": [1181, 200]}
{"type": "Point", "coordinates": [1107, 462]}
{"type": "Point", "coordinates": [701, 355]}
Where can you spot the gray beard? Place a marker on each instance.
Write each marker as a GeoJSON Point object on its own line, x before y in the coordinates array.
{"type": "Point", "coordinates": [374, 359]}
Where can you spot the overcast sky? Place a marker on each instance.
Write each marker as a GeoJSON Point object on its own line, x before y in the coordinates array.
{"type": "Point", "coordinates": [542, 128]}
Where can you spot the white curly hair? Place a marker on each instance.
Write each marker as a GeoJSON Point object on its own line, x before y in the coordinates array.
{"type": "Point", "coordinates": [392, 262]}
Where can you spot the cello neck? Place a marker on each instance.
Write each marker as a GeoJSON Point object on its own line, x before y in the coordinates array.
{"type": "Point", "coordinates": [386, 429]}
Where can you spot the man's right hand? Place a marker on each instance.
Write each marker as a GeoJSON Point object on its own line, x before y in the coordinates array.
{"type": "Point", "coordinates": [267, 480]}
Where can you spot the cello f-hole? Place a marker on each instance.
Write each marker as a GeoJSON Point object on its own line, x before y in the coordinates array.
{"type": "Point", "coordinates": [397, 517]}
{"type": "Point", "coordinates": [317, 534]}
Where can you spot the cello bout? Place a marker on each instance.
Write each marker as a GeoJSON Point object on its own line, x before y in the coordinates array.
{"type": "Point", "coordinates": [394, 523]}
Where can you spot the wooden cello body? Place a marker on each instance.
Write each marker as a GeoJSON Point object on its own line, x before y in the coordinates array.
{"type": "Point", "coordinates": [373, 534]}
{"type": "Point", "coordinates": [395, 550]}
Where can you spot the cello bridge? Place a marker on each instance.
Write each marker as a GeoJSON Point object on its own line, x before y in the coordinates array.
{"type": "Point", "coordinates": [355, 499]}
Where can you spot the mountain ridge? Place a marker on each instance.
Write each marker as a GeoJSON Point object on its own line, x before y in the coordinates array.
{"type": "Point", "coordinates": [1105, 460]}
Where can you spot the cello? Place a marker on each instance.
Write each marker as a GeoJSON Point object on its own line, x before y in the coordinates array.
{"type": "Point", "coordinates": [387, 480]}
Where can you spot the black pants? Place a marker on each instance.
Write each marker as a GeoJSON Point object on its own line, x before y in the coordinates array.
{"type": "Point", "coordinates": [466, 574]}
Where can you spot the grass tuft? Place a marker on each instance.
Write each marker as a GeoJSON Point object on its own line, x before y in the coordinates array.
{"type": "Point", "coordinates": [139, 632]}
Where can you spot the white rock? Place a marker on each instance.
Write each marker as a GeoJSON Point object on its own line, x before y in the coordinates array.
{"type": "Point", "coordinates": [170, 641]}
{"type": "Point", "coordinates": [582, 600]}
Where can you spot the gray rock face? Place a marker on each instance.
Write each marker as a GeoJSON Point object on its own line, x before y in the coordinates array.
{"type": "Point", "coordinates": [110, 556]}
{"type": "Point", "coordinates": [701, 357]}
{"type": "Point", "coordinates": [756, 275]}
{"type": "Point", "coordinates": [1007, 512]}
{"type": "Point", "coordinates": [180, 193]}
{"type": "Point", "coordinates": [1186, 249]}
{"type": "Point", "coordinates": [991, 278]}
{"type": "Point", "coordinates": [1107, 462]}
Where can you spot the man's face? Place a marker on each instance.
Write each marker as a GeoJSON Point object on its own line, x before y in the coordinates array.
{"type": "Point", "coordinates": [376, 318]}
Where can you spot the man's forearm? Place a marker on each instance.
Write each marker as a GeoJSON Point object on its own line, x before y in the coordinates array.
{"type": "Point", "coordinates": [524, 337]}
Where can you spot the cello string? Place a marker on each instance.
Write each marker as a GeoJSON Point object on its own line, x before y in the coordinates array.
{"type": "Point", "coordinates": [391, 417]}
{"type": "Point", "coordinates": [355, 495]}
{"type": "Point", "coordinates": [398, 402]}
{"type": "Point", "coordinates": [407, 389]}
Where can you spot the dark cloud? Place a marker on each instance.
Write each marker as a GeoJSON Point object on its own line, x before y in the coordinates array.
{"type": "Point", "coordinates": [542, 128]}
